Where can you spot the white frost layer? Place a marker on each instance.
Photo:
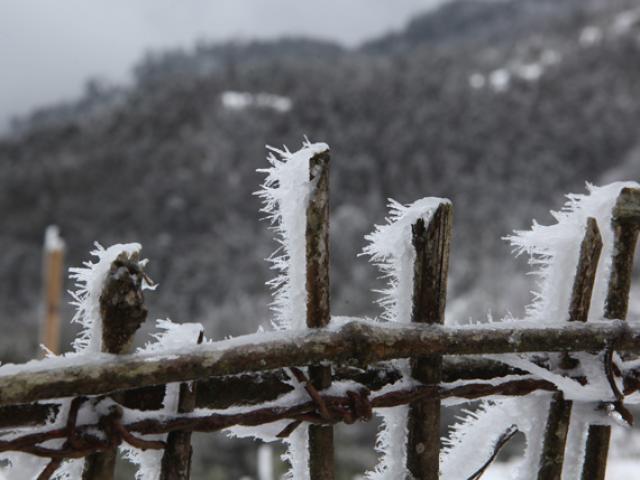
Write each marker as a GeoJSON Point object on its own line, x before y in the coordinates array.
{"type": "Point", "coordinates": [23, 466]}
{"type": "Point", "coordinates": [554, 252]}
{"type": "Point", "coordinates": [173, 336]}
{"type": "Point", "coordinates": [472, 441]}
{"type": "Point", "coordinates": [616, 470]}
{"type": "Point", "coordinates": [591, 367]}
{"type": "Point", "coordinates": [89, 283]}
{"type": "Point", "coordinates": [53, 242]}
{"type": "Point", "coordinates": [576, 441]}
{"type": "Point", "coordinates": [391, 250]}
{"type": "Point", "coordinates": [285, 193]}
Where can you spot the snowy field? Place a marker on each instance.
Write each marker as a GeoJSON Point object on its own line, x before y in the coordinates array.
{"type": "Point", "coordinates": [617, 469]}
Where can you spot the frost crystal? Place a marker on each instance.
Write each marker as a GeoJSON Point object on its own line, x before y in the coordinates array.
{"type": "Point", "coordinates": [171, 336]}
{"type": "Point", "coordinates": [390, 248]}
{"type": "Point", "coordinates": [554, 254]}
{"type": "Point", "coordinates": [472, 441]}
{"type": "Point", "coordinates": [89, 282]}
{"type": "Point", "coordinates": [285, 193]}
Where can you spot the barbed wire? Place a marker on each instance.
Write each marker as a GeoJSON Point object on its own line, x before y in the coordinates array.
{"type": "Point", "coordinates": [356, 404]}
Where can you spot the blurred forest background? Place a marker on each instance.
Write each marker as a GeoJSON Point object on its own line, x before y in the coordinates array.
{"type": "Point", "coordinates": [502, 107]}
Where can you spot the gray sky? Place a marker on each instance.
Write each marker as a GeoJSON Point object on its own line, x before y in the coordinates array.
{"type": "Point", "coordinates": [48, 48]}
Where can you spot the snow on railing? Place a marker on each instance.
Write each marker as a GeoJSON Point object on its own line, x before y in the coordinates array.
{"type": "Point", "coordinates": [555, 376]}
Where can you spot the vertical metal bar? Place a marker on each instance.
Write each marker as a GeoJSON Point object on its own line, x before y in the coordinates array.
{"type": "Point", "coordinates": [176, 458]}
{"type": "Point", "coordinates": [122, 311]}
{"type": "Point", "coordinates": [625, 222]}
{"type": "Point", "coordinates": [432, 245]}
{"type": "Point", "coordinates": [321, 449]}
{"type": "Point", "coordinates": [52, 280]}
{"type": "Point", "coordinates": [557, 428]}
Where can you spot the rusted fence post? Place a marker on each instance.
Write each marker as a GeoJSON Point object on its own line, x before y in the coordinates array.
{"type": "Point", "coordinates": [321, 454]}
{"type": "Point", "coordinates": [432, 245]}
{"type": "Point", "coordinates": [625, 222]}
{"type": "Point", "coordinates": [122, 311]}
{"type": "Point", "coordinates": [557, 428]}
{"type": "Point", "coordinates": [53, 266]}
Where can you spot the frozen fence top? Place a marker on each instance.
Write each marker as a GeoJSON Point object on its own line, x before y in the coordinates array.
{"type": "Point", "coordinates": [52, 240]}
{"type": "Point", "coordinates": [554, 252]}
{"type": "Point", "coordinates": [390, 249]}
{"type": "Point", "coordinates": [89, 281]}
{"type": "Point", "coordinates": [285, 194]}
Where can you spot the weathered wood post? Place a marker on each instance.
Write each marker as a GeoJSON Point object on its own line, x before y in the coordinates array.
{"type": "Point", "coordinates": [432, 245]}
{"type": "Point", "coordinates": [557, 428]}
{"type": "Point", "coordinates": [53, 266]}
{"type": "Point", "coordinates": [321, 459]}
{"type": "Point", "coordinates": [625, 222]}
{"type": "Point", "coordinates": [122, 311]}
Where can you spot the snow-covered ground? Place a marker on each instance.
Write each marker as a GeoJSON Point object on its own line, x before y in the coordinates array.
{"type": "Point", "coordinates": [617, 469]}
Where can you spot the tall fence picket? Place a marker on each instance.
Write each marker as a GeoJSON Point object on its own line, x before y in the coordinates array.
{"type": "Point", "coordinates": [122, 311]}
{"type": "Point", "coordinates": [431, 244]}
{"type": "Point", "coordinates": [53, 267]}
{"type": "Point", "coordinates": [176, 458]}
{"type": "Point", "coordinates": [557, 427]}
{"type": "Point", "coordinates": [321, 450]}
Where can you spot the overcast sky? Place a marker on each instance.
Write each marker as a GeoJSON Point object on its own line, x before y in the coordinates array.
{"type": "Point", "coordinates": [48, 48]}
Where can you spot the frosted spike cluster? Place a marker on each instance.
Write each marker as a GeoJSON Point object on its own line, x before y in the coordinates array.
{"type": "Point", "coordinates": [391, 250]}
{"type": "Point", "coordinates": [554, 251]}
{"type": "Point", "coordinates": [554, 254]}
{"type": "Point", "coordinates": [89, 281]}
{"type": "Point", "coordinates": [473, 439]}
{"type": "Point", "coordinates": [285, 193]}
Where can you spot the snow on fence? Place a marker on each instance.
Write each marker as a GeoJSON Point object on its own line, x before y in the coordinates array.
{"type": "Point", "coordinates": [562, 376]}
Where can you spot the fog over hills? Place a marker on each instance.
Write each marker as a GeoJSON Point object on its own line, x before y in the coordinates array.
{"type": "Point", "coordinates": [501, 106]}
